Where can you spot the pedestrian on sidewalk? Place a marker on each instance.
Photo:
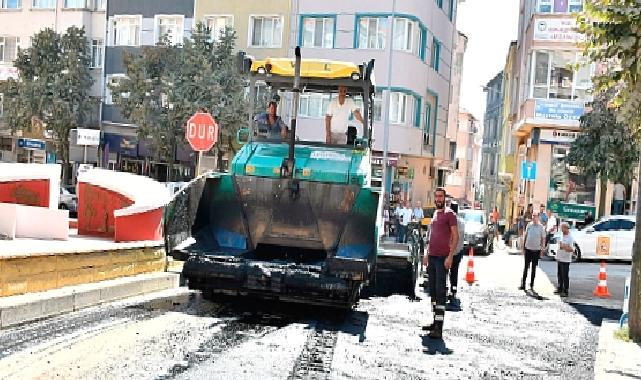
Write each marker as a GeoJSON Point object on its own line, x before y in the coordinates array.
{"type": "Point", "coordinates": [564, 258]}
{"type": "Point", "coordinates": [619, 199]}
{"type": "Point", "coordinates": [533, 248]}
{"type": "Point", "coordinates": [441, 248]}
{"type": "Point", "coordinates": [550, 228]}
{"type": "Point", "coordinates": [405, 216]}
{"type": "Point", "coordinates": [458, 254]}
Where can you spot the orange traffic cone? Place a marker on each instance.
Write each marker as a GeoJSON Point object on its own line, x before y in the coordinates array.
{"type": "Point", "coordinates": [602, 287]}
{"type": "Point", "coordinates": [469, 276]}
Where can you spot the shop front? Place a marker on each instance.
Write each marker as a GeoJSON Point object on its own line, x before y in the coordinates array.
{"type": "Point", "coordinates": [570, 194]}
{"type": "Point", "coordinates": [120, 152]}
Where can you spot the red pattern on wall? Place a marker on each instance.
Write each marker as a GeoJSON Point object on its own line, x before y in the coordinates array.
{"type": "Point", "coordinates": [28, 192]}
{"type": "Point", "coordinates": [140, 226]}
{"type": "Point", "coordinates": [96, 207]}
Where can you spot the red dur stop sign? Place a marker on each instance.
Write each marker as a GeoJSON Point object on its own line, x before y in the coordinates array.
{"type": "Point", "coordinates": [201, 131]}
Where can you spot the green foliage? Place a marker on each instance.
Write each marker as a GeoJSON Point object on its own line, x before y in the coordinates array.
{"type": "Point", "coordinates": [165, 85]}
{"type": "Point", "coordinates": [613, 40]}
{"type": "Point", "coordinates": [605, 148]}
{"type": "Point", "coordinates": [53, 87]}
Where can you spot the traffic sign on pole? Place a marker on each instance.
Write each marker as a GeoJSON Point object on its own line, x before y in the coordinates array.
{"type": "Point", "coordinates": [201, 131]}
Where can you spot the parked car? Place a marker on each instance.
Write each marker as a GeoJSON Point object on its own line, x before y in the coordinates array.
{"type": "Point", "coordinates": [619, 228]}
{"type": "Point", "coordinates": [477, 233]}
{"type": "Point", "coordinates": [68, 200]}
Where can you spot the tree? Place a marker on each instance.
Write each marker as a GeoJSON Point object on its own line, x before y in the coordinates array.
{"type": "Point", "coordinates": [613, 39]}
{"type": "Point", "coordinates": [53, 88]}
{"type": "Point", "coordinates": [605, 148]}
{"type": "Point", "coordinates": [165, 85]}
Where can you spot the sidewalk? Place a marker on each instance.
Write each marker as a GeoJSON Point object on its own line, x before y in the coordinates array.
{"type": "Point", "coordinates": [615, 359]}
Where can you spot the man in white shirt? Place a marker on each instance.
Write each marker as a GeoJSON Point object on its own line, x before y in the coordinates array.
{"type": "Point", "coordinates": [550, 228]}
{"type": "Point", "coordinates": [417, 213]}
{"type": "Point", "coordinates": [336, 119]}
{"type": "Point", "coordinates": [405, 216]}
{"type": "Point", "coordinates": [564, 258]}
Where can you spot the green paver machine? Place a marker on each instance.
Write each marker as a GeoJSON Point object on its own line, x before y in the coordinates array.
{"type": "Point", "coordinates": [292, 220]}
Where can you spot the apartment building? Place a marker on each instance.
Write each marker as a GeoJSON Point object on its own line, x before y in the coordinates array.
{"type": "Point", "coordinates": [552, 93]}
{"type": "Point", "coordinates": [492, 131]}
{"type": "Point", "coordinates": [19, 21]}
{"type": "Point", "coordinates": [463, 181]}
{"type": "Point", "coordinates": [130, 26]}
{"type": "Point", "coordinates": [507, 184]}
{"type": "Point", "coordinates": [262, 27]}
{"type": "Point", "coordinates": [420, 37]}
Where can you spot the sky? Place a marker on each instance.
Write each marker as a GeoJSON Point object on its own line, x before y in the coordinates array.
{"type": "Point", "coordinates": [489, 25]}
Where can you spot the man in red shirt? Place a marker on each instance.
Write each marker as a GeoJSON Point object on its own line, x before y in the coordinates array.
{"type": "Point", "coordinates": [441, 249]}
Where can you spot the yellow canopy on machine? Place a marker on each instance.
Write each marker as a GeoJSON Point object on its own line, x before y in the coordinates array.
{"type": "Point", "coordinates": [310, 68]}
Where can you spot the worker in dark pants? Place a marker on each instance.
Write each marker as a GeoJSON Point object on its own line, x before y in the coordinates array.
{"type": "Point", "coordinates": [443, 241]}
{"type": "Point", "coordinates": [458, 253]}
{"type": "Point", "coordinates": [533, 248]}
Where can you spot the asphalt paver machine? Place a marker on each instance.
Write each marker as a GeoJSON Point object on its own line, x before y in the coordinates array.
{"type": "Point", "coordinates": [292, 220]}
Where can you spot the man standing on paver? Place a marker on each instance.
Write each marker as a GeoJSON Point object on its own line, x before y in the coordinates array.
{"type": "Point", "coordinates": [619, 199]}
{"type": "Point", "coordinates": [441, 249]}
{"type": "Point", "coordinates": [564, 258]}
{"type": "Point", "coordinates": [533, 248]}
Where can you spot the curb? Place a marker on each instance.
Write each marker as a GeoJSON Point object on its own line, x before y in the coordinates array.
{"type": "Point", "coordinates": [28, 307]}
{"type": "Point", "coordinates": [615, 359]}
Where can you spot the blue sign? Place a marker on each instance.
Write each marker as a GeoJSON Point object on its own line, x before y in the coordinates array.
{"type": "Point", "coordinates": [528, 170]}
{"type": "Point", "coordinates": [31, 144]}
{"type": "Point", "coordinates": [558, 110]}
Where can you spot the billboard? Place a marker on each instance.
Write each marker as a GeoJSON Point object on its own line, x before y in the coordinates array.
{"type": "Point", "coordinates": [557, 30]}
{"type": "Point", "coordinates": [558, 110]}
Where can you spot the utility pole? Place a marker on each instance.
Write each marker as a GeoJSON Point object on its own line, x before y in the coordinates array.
{"type": "Point", "coordinates": [386, 190]}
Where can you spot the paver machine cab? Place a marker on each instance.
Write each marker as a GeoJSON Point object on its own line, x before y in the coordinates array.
{"type": "Point", "coordinates": [292, 220]}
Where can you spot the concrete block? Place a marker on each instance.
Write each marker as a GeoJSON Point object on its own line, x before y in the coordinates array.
{"type": "Point", "coordinates": [42, 281]}
{"type": "Point", "coordinates": [121, 290]}
{"type": "Point", "coordinates": [42, 223]}
{"type": "Point", "coordinates": [19, 313]}
{"type": "Point", "coordinates": [58, 304]}
{"type": "Point", "coordinates": [85, 298]}
{"type": "Point", "coordinates": [8, 220]}
{"type": "Point", "coordinates": [150, 254]}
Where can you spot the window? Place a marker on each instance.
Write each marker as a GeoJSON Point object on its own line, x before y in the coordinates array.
{"type": "Point", "coordinates": [556, 77]}
{"type": "Point", "coordinates": [99, 5]}
{"type": "Point", "coordinates": [436, 54]}
{"type": "Point", "coordinates": [407, 35]}
{"type": "Point", "coordinates": [452, 150]}
{"type": "Point", "coordinates": [97, 50]}
{"type": "Point", "coordinates": [127, 30]}
{"type": "Point", "coordinates": [43, 4]}
{"type": "Point", "coordinates": [439, 3]}
{"type": "Point", "coordinates": [313, 105]}
{"type": "Point", "coordinates": [451, 9]}
{"type": "Point", "coordinates": [170, 27]}
{"type": "Point", "coordinates": [372, 32]}
{"type": "Point", "coordinates": [9, 48]}
{"type": "Point", "coordinates": [627, 225]}
{"type": "Point", "coordinates": [559, 6]}
{"type": "Point", "coordinates": [400, 103]}
{"type": "Point", "coordinates": [377, 106]}
{"type": "Point", "coordinates": [1, 105]}
{"type": "Point", "coordinates": [217, 25]}
{"type": "Point", "coordinates": [575, 6]}
{"type": "Point", "coordinates": [75, 4]}
{"type": "Point", "coordinates": [265, 31]}
{"type": "Point", "coordinates": [604, 226]}
{"type": "Point", "coordinates": [318, 32]}
{"type": "Point", "coordinates": [11, 4]}
{"type": "Point", "coordinates": [113, 80]}
{"type": "Point", "coordinates": [428, 123]}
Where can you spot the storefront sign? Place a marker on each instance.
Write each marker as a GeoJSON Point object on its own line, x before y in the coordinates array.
{"type": "Point", "coordinates": [557, 30]}
{"type": "Point", "coordinates": [558, 110]}
{"type": "Point", "coordinates": [557, 136]}
{"type": "Point", "coordinates": [528, 170]}
{"type": "Point", "coordinates": [31, 144]}
{"type": "Point", "coordinates": [124, 145]}
{"type": "Point", "coordinates": [570, 210]}
{"type": "Point", "coordinates": [89, 137]}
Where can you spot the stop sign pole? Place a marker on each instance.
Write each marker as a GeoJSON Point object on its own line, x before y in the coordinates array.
{"type": "Point", "coordinates": [201, 132]}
